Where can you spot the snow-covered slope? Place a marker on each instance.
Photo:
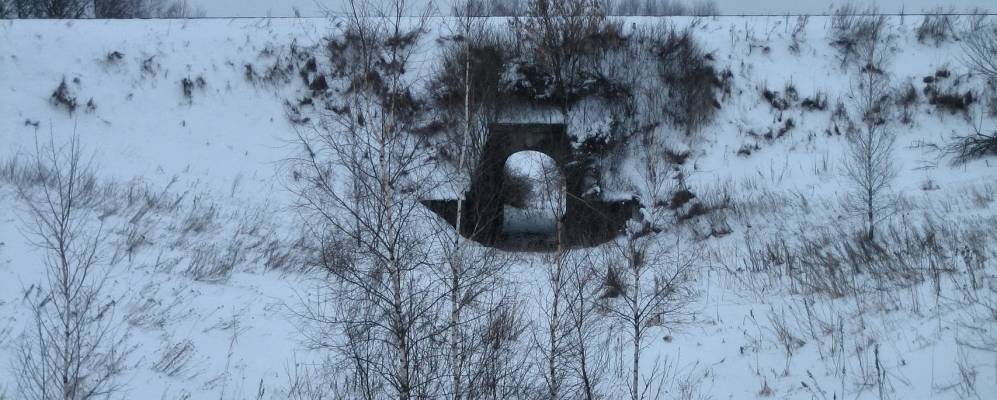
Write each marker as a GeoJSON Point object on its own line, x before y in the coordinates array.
{"type": "Point", "coordinates": [215, 155]}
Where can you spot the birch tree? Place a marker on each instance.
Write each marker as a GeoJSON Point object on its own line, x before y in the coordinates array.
{"type": "Point", "coordinates": [651, 288]}
{"type": "Point", "coordinates": [71, 349]}
{"type": "Point", "coordinates": [360, 180]}
{"type": "Point", "coordinates": [868, 163]}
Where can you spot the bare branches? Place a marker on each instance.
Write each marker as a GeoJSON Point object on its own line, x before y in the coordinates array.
{"type": "Point", "coordinates": [558, 32]}
{"type": "Point", "coordinates": [72, 350]}
{"type": "Point", "coordinates": [655, 291]}
{"type": "Point", "coordinates": [72, 9]}
{"type": "Point", "coordinates": [361, 180]}
{"type": "Point", "coordinates": [856, 36]}
{"type": "Point", "coordinates": [870, 169]}
{"type": "Point", "coordinates": [868, 164]}
{"type": "Point", "coordinates": [60, 9]}
{"type": "Point", "coordinates": [972, 146]}
{"type": "Point", "coordinates": [587, 328]}
{"type": "Point", "coordinates": [980, 50]}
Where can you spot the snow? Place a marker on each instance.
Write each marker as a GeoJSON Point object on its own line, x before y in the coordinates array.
{"type": "Point", "coordinates": [225, 144]}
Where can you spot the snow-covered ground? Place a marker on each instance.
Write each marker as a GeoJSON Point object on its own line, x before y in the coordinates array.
{"type": "Point", "coordinates": [172, 160]}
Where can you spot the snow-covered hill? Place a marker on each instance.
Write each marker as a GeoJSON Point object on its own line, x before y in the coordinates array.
{"type": "Point", "coordinates": [189, 145]}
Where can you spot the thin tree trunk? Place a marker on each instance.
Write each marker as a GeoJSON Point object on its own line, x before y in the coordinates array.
{"type": "Point", "coordinates": [554, 385]}
{"type": "Point", "coordinates": [457, 359]}
{"type": "Point", "coordinates": [635, 394]}
{"type": "Point", "coordinates": [586, 380]}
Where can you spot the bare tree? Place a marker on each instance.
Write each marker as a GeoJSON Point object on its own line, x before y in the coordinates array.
{"type": "Point", "coordinates": [475, 294]}
{"type": "Point", "coordinates": [172, 9]}
{"type": "Point", "coordinates": [646, 284]}
{"type": "Point", "coordinates": [466, 91]}
{"type": "Point", "coordinates": [868, 162]}
{"type": "Point", "coordinates": [118, 8]}
{"type": "Point", "coordinates": [505, 370]}
{"type": "Point", "coordinates": [589, 357]}
{"type": "Point", "coordinates": [361, 180]}
{"type": "Point", "coordinates": [552, 333]}
{"type": "Point", "coordinates": [113, 8]}
{"type": "Point", "coordinates": [471, 278]}
{"type": "Point", "coordinates": [980, 48]}
{"type": "Point", "coordinates": [857, 36]}
{"type": "Point", "coordinates": [480, 351]}
{"type": "Point", "coordinates": [71, 350]}
{"type": "Point", "coordinates": [648, 287]}
{"type": "Point", "coordinates": [559, 34]}
{"type": "Point", "coordinates": [73, 9]}
{"type": "Point", "coordinates": [63, 9]}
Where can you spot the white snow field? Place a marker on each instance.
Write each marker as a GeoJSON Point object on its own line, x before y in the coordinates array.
{"type": "Point", "coordinates": [197, 179]}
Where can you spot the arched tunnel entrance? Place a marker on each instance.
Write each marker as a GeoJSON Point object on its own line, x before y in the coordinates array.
{"type": "Point", "coordinates": [586, 220]}
{"type": "Point", "coordinates": [534, 199]}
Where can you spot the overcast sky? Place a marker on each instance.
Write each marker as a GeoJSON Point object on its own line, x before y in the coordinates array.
{"type": "Point", "coordinates": [277, 8]}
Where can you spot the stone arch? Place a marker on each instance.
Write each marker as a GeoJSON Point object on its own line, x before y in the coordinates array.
{"type": "Point", "coordinates": [587, 221]}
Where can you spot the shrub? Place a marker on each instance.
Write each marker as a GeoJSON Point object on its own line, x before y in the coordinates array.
{"type": "Point", "coordinates": [944, 91]}
{"type": "Point", "coordinates": [561, 43]}
{"type": "Point", "coordinates": [485, 8]}
{"type": "Point", "coordinates": [817, 102]}
{"type": "Point", "coordinates": [613, 284]}
{"type": "Point", "coordinates": [319, 84]}
{"type": "Point", "coordinates": [695, 210]}
{"type": "Point", "coordinates": [350, 49]}
{"type": "Point", "coordinates": [173, 9]}
{"type": "Point", "coordinates": [488, 52]}
{"type": "Point", "coordinates": [799, 33]}
{"type": "Point", "coordinates": [853, 35]}
{"type": "Point", "coordinates": [150, 67]}
{"type": "Point", "coordinates": [187, 86]}
{"type": "Point", "coordinates": [772, 134]}
{"type": "Point", "coordinates": [747, 149]}
{"type": "Point", "coordinates": [680, 198]}
{"type": "Point", "coordinates": [676, 157]}
{"type": "Point", "coordinates": [662, 8]}
{"type": "Point", "coordinates": [294, 113]}
{"type": "Point", "coordinates": [907, 99]}
{"type": "Point", "coordinates": [775, 99]}
{"type": "Point", "coordinates": [840, 113]}
{"type": "Point", "coordinates": [114, 57]}
{"type": "Point", "coordinates": [972, 146]}
{"type": "Point", "coordinates": [980, 49]}
{"type": "Point", "coordinates": [936, 28]}
{"type": "Point", "coordinates": [62, 97]}
{"type": "Point", "coordinates": [953, 102]}
{"type": "Point", "coordinates": [690, 79]}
